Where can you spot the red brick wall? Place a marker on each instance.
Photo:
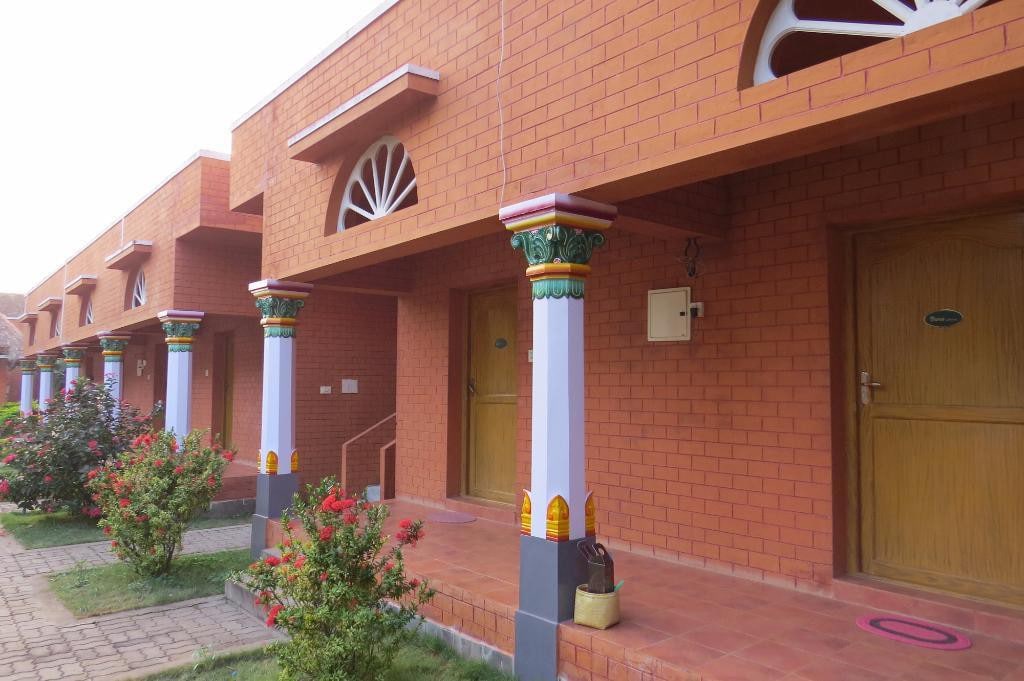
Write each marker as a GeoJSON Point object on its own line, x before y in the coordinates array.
{"type": "Point", "coordinates": [615, 98]}
{"type": "Point", "coordinates": [341, 336]}
{"type": "Point", "coordinates": [716, 452]}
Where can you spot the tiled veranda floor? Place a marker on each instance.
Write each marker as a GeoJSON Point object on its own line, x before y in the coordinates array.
{"type": "Point", "coordinates": [685, 623]}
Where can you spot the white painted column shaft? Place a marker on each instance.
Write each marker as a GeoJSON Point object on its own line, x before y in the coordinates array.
{"type": "Point", "coordinates": [71, 373]}
{"type": "Point", "coordinates": [45, 387]}
{"type": "Point", "coordinates": [557, 461]}
{"type": "Point", "coordinates": [278, 432]}
{"type": "Point", "coordinates": [179, 391]}
{"type": "Point", "coordinates": [27, 379]}
{"type": "Point", "coordinates": [113, 375]}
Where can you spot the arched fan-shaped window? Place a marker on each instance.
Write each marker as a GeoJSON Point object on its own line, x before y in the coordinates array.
{"type": "Point", "coordinates": [800, 33]}
{"type": "Point", "coordinates": [55, 329]}
{"type": "Point", "coordinates": [87, 314]}
{"type": "Point", "coordinates": [382, 181]}
{"type": "Point", "coordinates": [138, 298]}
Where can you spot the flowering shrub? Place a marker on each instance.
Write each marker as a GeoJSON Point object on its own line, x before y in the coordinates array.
{"type": "Point", "coordinates": [150, 494]}
{"type": "Point", "coordinates": [48, 458]}
{"type": "Point", "coordinates": [342, 594]}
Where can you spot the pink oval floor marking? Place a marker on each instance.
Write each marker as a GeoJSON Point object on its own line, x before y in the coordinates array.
{"type": "Point", "coordinates": [914, 632]}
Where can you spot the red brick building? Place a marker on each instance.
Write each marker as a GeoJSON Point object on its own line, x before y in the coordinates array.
{"type": "Point", "coordinates": [765, 347]}
{"type": "Point", "coordinates": [824, 178]}
{"type": "Point", "coordinates": [180, 248]}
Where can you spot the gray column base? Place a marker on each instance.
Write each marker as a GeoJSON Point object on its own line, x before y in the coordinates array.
{"type": "Point", "coordinates": [273, 495]}
{"type": "Point", "coordinates": [549, 573]}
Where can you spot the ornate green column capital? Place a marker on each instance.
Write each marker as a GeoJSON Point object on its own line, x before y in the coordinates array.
{"type": "Point", "coordinates": [27, 366]}
{"type": "Point", "coordinates": [279, 303]}
{"type": "Point", "coordinates": [180, 327]}
{"type": "Point", "coordinates": [558, 234]}
{"type": "Point", "coordinates": [113, 346]}
{"type": "Point", "coordinates": [45, 362]}
{"type": "Point", "coordinates": [73, 355]}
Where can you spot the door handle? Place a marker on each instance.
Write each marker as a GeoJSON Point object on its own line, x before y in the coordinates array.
{"type": "Point", "coordinates": [866, 387]}
{"type": "Point", "coordinates": [472, 387]}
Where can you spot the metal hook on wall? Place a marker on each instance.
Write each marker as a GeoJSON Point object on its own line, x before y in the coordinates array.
{"type": "Point", "coordinates": [692, 255]}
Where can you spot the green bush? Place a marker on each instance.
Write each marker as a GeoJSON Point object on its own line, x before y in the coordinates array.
{"type": "Point", "coordinates": [10, 414]}
{"type": "Point", "coordinates": [149, 495]}
{"type": "Point", "coordinates": [47, 459]}
{"type": "Point", "coordinates": [342, 593]}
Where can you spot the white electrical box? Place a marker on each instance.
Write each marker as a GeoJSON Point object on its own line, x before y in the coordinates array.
{"type": "Point", "coordinates": [325, 390]}
{"type": "Point", "coordinates": [669, 314]}
{"type": "Point", "coordinates": [349, 386]}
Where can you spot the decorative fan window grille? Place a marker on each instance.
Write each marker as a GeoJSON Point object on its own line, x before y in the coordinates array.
{"type": "Point", "coordinates": [87, 316]}
{"type": "Point", "coordinates": [55, 330]}
{"type": "Point", "coordinates": [801, 33]}
{"type": "Point", "coordinates": [382, 181]}
{"type": "Point", "coordinates": [139, 290]}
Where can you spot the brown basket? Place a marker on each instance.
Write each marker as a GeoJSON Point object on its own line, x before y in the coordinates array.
{"type": "Point", "coordinates": [598, 611]}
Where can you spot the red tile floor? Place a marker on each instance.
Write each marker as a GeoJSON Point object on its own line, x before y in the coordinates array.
{"type": "Point", "coordinates": [685, 623]}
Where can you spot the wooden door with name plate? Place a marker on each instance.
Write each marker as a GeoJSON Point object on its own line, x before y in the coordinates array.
{"type": "Point", "coordinates": [939, 319]}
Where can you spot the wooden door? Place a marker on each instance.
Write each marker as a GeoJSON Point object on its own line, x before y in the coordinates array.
{"type": "Point", "coordinates": [940, 326]}
{"type": "Point", "coordinates": [226, 388]}
{"type": "Point", "coordinates": [491, 395]}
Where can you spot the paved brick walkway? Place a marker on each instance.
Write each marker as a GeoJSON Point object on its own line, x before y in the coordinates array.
{"type": "Point", "coordinates": [39, 641]}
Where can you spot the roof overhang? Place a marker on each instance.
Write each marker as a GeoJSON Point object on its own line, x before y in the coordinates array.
{"type": "Point", "coordinates": [49, 304]}
{"type": "Point", "coordinates": [81, 286]}
{"type": "Point", "coordinates": [129, 256]}
{"type": "Point", "coordinates": [26, 318]}
{"type": "Point", "coordinates": [389, 97]}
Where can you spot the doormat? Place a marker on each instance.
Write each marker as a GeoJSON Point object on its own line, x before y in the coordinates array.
{"type": "Point", "coordinates": [450, 517]}
{"type": "Point", "coordinates": [914, 632]}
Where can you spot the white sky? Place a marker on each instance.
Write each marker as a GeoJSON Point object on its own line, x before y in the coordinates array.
{"type": "Point", "coordinates": [101, 101]}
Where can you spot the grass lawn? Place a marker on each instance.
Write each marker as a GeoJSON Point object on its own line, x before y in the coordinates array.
{"type": "Point", "coordinates": [38, 530]}
{"type": "Point", "coordinates": [426, 659]}
{"type": "Point", "coordinates": [100, 590]}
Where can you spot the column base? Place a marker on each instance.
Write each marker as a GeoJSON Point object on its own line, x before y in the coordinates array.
{"type": "Point", "coordinates": [273, 495]}
{"type": "Point", "coordinates": [549, 573]}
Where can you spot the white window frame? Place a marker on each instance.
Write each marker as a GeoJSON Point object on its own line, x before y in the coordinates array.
{"type": "Point", "coordinates": [784, 21]}
{"type": "Point", "coordinates": [139, 290]}
{"type": "Point", "coordinates": [385, 196]}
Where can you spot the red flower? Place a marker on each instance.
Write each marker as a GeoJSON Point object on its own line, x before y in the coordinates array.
{"type": "Point", "coordinates": [337, 506]}
{"type": "Point", "coordinates": [300, 561]}
{"type": "Point", "coordinates": [47, 479]}
{"type": "Point", "coordinates": [178, 470]}
{"type": "Point", "coordinates": [9, 458]}
{"type": "Point", "coordinates": [414, 582]}
{"type": "Point", "coordinates": [402, 535]}
{"type": "Point", "coordinates": [158, 463]}
{"type": "Point", "coordinates": [92, 444]}
{"type": "Point", "coordinates": [327, 533]}
{"type": "Point", "coordinates": [272, 561]}
{"type": "Point", "coordinates": [124, 502]}
{"type": "Point", "coordinates": [174, 445]}
{"type": "Point", "coordinates": [389, 566]}
{"type": "Point", "coordinates": [272, 615]}
{"type": "Point", "coordinates": [350, 519]}
{"type": "Point", "coordinates": [347, 504]}
{"type": "Point", "coordinates": [405, 523]}
{"type": "Point", "coordinates": [5, 487]}
{"type": "Point", "coordinates": [141, 518]}
{"type": "Point", "coordinates": [229, 456]}
{"type": "Point", "coordinates": [106, 530]}
{"type": "Point", "coordinates": [323, 576]}
{"type": "Point", "coordinates": [92, 474]}
{"type": "Point", "coordinates": [113, 544]}
{"type": "Point", "coordinates": [211, 481]}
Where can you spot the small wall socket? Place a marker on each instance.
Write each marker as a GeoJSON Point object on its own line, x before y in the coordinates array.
{"type": "Point", "coordinates": [325, 390]}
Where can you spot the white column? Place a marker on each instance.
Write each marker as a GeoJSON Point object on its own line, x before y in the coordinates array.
{"type": "Point", "coordinates": [28, 368]}
{"type": "Point", "coordinates": [279, 302]}
{"type": "Point", "coordinates": [557, 234]}
{"type": "Point", "coordinates": [113, 362]}
{"type": "Point", "coordinates": [180, 327]}
{"type": "Point", "coordinates": [45, 365]}
{"type": "Point", "coordinates": [557, 466]}
{"type": "Point", "coordinates": [73, 355]}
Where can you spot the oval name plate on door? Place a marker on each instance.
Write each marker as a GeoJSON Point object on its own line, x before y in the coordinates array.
{"type": "Point", "coordinates": [943, 318]}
